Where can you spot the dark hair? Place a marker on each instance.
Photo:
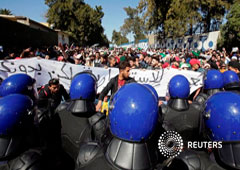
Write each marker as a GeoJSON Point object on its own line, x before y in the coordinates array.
{"type": "Point", "coordinates": [53, 81]}
{"type": "Point", "coordinates": [234, 64]}
{"type": "Point", "coordinates": [155, 58]}
{"type": "Point", "coordinates": [123, 65]}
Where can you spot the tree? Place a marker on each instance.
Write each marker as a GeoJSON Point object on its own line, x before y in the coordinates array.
{"type": "Point", "coordinates": [133, 24]}
{"type": "Point", "coordinates": [154, 14]}
{"type": "Point", "coordinates": [179, 17]}
{"type": "Point", "coordinates": [81, 21]}
{"type": "Point", "coordinates": [230, 31]}
{"type": "Point", "coordinates": [5, 11]}
{"type": "Point", "coordinates": [213, 12]}
{"type": "Point", "coordinates": [118, 38]}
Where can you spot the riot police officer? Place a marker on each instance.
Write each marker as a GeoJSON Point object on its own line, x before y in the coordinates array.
{"type": "Point", "coordinates": [178, 114]}
{"type": "Point", "coordinates": [16, 148]}
{"type": "Point", "coordinates": [80, 121]}
{"type": "Point", "coordinates": [213, 83]}
{"type": "Point", "coordinates": [222, 120]}
{"type": "Point", "coordinates": [37, 129]}
{"type": "Point", "coordinates": [25, 85]}
{"type": "Point", "coordinates": [133, 119]}
{"type": "Point", "coordinates": [231, 81]}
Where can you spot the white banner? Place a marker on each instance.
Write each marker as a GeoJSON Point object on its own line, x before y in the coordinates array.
{"type": "Point", "coordinates": [43, 70]}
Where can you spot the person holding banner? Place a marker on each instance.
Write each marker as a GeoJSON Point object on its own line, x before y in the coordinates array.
{"type": "Point", "coordinates": [116, 82]}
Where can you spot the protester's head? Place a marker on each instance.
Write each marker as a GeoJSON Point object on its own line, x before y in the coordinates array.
{"type": "Point", "coordinates": [97, 55]}
{"type": "Point", "coordinates": [112, 61]}
{"type": "Point", "coordinates": [141, 57]}
{"type": "Point", "coordinates": [234, 66]}
{"type": "Point", "coordinates": [124, 69]}
{"type": "Point", "coordinates": [213, 58]}
{"type": "Point", "coordinates": [222, 67]}
{"type": "Point", "coordinates": [185, 66]}
{"type": "Point", "coordinates": [234, 58]}
{"type": "Point", "coordinates": [131, 62]}
{"type": "Point", "coordinates": [78, 59]}
{"type": "Point", "coordinates": [103, 59]}
{"type": "Point", "coordinates": [149, 61]}
{"type": "Point", "coordinates": [136, 61]}
{"type": "Point", "coordinates": [54, 85]}
{"type": "Point", "coordinates": [207, 66]}
{"type": "Point", "coordinates": [154, 62]}
{"type": "Point", "coordinates": [195, 67]}
{"type": "Point", "coordinates": [195, 64]}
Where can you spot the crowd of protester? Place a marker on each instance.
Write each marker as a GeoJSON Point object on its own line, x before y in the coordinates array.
{"type": "Point", "coordinates": [138, 58]}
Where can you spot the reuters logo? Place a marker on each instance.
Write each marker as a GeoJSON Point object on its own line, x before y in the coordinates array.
{"type": "Point", "coordinates": [170, 144]}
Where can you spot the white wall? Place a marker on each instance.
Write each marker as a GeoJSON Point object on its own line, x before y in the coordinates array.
{"type": "Point", "coordinates": [197, 42]}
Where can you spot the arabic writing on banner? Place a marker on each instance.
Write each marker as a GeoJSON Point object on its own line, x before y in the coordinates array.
{"type": "Point", "coordinates": [43, 70]}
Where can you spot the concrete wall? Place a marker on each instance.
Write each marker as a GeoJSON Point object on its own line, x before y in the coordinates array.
{"type": "Point", "coordinates": [198, 42]}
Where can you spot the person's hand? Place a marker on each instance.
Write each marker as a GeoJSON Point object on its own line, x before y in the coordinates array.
{"type": "Point", "coordinates": [160, 102]}
{"type": "Point", "coordinates": [99, 106]}
{"type": "Point", "coordinates": [47, 57]}
{"type": "Point", "coordinates": [27, 50]}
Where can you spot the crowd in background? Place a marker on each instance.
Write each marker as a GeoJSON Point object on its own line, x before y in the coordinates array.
{"type": "Point", "coordinates": [138, 58]}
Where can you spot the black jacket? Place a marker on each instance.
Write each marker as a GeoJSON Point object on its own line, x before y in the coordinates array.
{"type": "Point", "coordinates": [113, 86]}
{"type": "Point", "coordinates": [46, 95]}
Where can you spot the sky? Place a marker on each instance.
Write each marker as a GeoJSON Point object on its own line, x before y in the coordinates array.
{"type": "Point", "coordinates": [114, 13]}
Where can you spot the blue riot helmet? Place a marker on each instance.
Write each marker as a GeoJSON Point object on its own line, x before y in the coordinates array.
{"type": "Point", "coordinates": [83, 86]}
{"type": "Point", "coordinates": [213, 80]}
{"type": "Point", "coordinates": [179, 87]}
{"type": "Point", "coordinates": [14, 121]}
{"type": "Point", "coordinates": [222, 113]}
{"type": "Point", "coordinates": [83, 92]}
{"type": "Point", "coordinates": [135, 113]}
{"type": "Point", "coordinates": [20, 84]}
{"type": "Point", "coordinates": [231, 80]}
{"type": "Point", "coordinates": [152, 89]}
{"type": "Point", "coordinates": [222, 119]}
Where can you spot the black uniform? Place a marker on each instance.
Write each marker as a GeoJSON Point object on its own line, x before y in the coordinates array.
{"type": "Point", "coordinates": [193, 160]}
{"type": "Point", "coordinates": [178, 115]}
{"type": "Point", "coordinates": [118, 155]}
{"type": "Point", "coordinates": [203, 96]}
{"type": "Point", "coordinates": [233, 87]}
{"type": "Point", "coordinates": [228, 156]}
{"type": "Point", "coordinates": [225, 158]}
{"type": "Point", "coordinates": [29, 160]}
{"type": "Point", "coordinates": [80, 123]}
